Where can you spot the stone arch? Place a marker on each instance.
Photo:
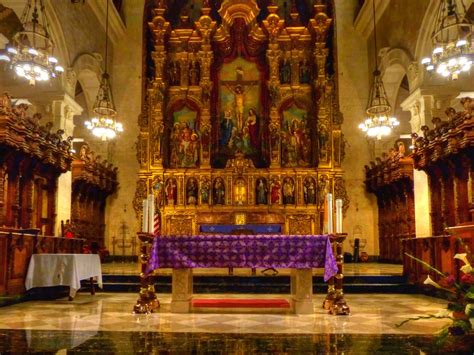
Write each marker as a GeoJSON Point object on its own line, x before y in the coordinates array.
{"type": "Point", "coordinates": [87, 68]}
{"type": "Point", "coordinates": [395, 64]}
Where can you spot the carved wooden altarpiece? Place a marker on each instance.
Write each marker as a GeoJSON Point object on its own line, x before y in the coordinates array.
{"type": "Point", "coordinates": [240, 114]}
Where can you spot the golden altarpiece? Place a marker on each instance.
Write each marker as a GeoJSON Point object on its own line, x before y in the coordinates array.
{"type": "Point", "coordinates": [240, 116]}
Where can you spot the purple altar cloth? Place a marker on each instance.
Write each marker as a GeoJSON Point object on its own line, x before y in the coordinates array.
{"type": "Point", "coordinates": [249, 251]}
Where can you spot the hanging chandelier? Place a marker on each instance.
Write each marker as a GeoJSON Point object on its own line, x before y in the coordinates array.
{"type": "Point", "coordinates": [104, 125]}
{"type": "Point", "coordinates": [379, 121]}
{"type": "Point", "coordinates": [31, 52]}
{"type": "Point", "coordinates": [453, 49]}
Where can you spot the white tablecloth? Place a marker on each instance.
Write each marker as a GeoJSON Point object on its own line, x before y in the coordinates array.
{"type": "Point", "coordinates": [47, 270]}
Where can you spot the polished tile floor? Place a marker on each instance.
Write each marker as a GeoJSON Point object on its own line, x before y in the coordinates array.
{"type": "Point", "coordinates": [371, 314]}
{"type": "Point", "coordinates": [350, 269]}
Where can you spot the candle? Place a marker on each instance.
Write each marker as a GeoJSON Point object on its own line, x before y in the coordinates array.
{"type": "Point", "coordinates": [330, 225]}
{"type": "Point", "coordinates": [338, 215]}
{"type": "Point", "coordinates": [151, 213]}
{"type": "Point", "coordinates": [145, 216]}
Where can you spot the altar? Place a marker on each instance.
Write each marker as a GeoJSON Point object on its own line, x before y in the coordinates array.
{"type": "Point", "coordinates": [300, 253]}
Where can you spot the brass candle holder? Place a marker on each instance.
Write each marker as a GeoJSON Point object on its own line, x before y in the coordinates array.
{"type": "Point", "coordinates": [147, 301]}
{"type": "Point", "coordinates": [334, 301]}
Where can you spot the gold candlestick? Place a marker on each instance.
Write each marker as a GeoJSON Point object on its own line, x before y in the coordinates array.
{"type": "Point", "coordinates": [147, 301]}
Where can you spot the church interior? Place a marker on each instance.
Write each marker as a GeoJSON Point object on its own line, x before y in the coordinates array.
{"type": "Point", "coordinates": [237, 176]}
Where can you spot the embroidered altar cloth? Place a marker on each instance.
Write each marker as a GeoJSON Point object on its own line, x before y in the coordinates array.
{"type": "Point", "coordinates": [252, 251]}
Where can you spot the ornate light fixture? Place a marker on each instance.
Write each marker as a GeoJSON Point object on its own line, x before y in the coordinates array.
{"type": "Point", "coordinates": [453, 49]}
{"type": "Point", "coordinates": [104, 125]}
{"type": "Point", "coordinates": [31, 51]}
{"type": "Point", "coordinates": [379, 121]}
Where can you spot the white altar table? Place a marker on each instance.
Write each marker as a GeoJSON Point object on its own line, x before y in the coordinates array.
{"type": "Point", "coordinates": [47, 270]}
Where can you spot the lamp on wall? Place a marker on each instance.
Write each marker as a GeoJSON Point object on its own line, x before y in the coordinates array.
{"type": "Point", "coordinates": [379, 121]}
{"type": "Point", "coordinates": [453, 49]}
{"type": "Point", "coordinates": [31, 52]}
{"type": "Point", "coordinates": [104, 125]}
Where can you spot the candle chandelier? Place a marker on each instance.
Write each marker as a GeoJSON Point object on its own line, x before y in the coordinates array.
{"type": "Point", "coordinates": [379, 121]}
{"type": "Point", "coordinates": [30, 53]}
{"type": "Point", "coordinates": [104, 125]}
{"type": "Point", "coordinates": [453, 49]}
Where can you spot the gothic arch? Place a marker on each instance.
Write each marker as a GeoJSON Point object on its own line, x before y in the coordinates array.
{"type": "Point", "coordinates": [395, 64]}
{"type": "Point", "coordinates": [88, 71]}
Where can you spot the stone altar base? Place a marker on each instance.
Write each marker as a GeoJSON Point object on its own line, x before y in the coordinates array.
{"type": "Point", "coordinates": [301, 298]}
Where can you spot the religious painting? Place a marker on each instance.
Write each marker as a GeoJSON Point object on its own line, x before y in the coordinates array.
{"type": "Point", "coordinates": [295, 138]}
{"type": "Point", "coordinates": [218, 192]}
{"type": "Point", "coordinates": [309, 191]}
{"type": "Point", "coordinates": [240, 192]}
{"type": "Point", "coordinates": [184, 139]}
{"type": "Point", "coordinates": [191, 191]}
{"type": "Point", "coordinates": [205, 191]}
{"type": "Point", "coordinates": [240, 110]}
{"type": "Point", "coordinates": [261, 191]}
{"type": "Point", "coordinates": [171, 191]}
{"type": "Point", "coordinates": [275, 191]}
{"type": "Point", "coordinates": [288, 191]}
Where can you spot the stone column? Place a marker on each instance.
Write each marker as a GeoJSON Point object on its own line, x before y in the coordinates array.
{"type": "Point", "coordinates": [302, 291]}
{"type": "Point", "coordinates": [63, 110]}
{"type": "Point", "coordinates": [420, 107]}
{"type": "Point", "coordinates": [181, 290]}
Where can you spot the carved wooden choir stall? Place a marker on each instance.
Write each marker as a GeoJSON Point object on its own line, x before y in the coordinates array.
{"type": "Point", "coordinates": [93, 180]}
{"type": "Point", "coordinates": [446, 154]}
{"type": "Point", "coordinates": [32, 157]}
{"type": "Point", "coordinates": [390, 178]}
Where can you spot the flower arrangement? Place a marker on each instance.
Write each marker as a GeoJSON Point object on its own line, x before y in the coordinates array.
{"type": "Point", "coordinates": [461, 309]}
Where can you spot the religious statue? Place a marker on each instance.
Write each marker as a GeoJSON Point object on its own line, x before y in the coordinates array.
{"type": "Point", "coordinates": [309, 191]}
{"type": "Point", "coordinates": [304, 72]}
{"type": "Point", "coordinates": [5, 103]}
{"type": "Point", "coordinates": [171, 191]}
{"type": "Point", "coordinates": [261, 192]}
{"type": "Point", "coordinates": [239, 102]}
{"type": "Point", "coordinates": [240, 191]}
{"type": "Point", "coordinates": [174, 72]}
{"type": "Point", "coordinates": [205, 187]}
{"type": "Point", "coordinates": [288, 191]}
{"type": "Point", "coordinates": [275, 192]}
{"type": "Point", "coordinates": [158, 192]}
{"type": "Point", "coordinates": [285, 71]}
{"type": "Point", "coordinates": [218, 192]}
{"type": "Point", "coordinates": [192, 191]}
{"type": "Point", "coordinates": [194, 73]}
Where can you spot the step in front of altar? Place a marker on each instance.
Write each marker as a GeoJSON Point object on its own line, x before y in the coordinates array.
{"type": "Point", "coordinates": [241, 305]}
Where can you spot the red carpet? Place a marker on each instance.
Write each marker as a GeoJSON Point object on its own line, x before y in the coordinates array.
{"type": "Point", "coordinates": [240, 303]}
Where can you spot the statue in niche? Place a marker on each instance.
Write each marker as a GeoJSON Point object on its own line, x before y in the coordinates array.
{"type": "Point", "coordinates": [323, 138]}
{"type": "Point", "coordinates": [6, 103]}
{"type": "Point", "coordinates": [275, 192]}
{"type": "Point", "coordinates": [261, 192]}
{"type": "Point", "coordinates": [288, 191]}
{"type": "Point", "coordinates": [205, 189]}
{"type": "Point", "coordinates": [285, 71]}
{"type": "Point", "coordinates": [171, 191]}
{"type": "Point", "coordinates": [218, 192]}
{"type": "Point", "coordinates": [304, 72]}
{"type": "Point", "coordinates": [192, 191]}
{"type": "Point", "coordinates": [309, 191]}
{"type": "Point", "coordinates": [174, 71]}
{"type": "Point", "coordinates": [158, 192]}
{"type": "Point", "coordinates": [240, 191]}
{"type": "Point", "coordinates": [194, 73]}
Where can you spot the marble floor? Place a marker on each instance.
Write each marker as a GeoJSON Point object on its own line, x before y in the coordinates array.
{"type": "Point", "coordinates": [350, 269]}
{"type": "Point", "coordinates": [104, 323]}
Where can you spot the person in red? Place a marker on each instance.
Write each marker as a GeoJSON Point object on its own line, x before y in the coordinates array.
{"type": "Point", "coordinates": [275, 192]}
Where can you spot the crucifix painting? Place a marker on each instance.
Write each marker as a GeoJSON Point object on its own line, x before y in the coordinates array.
{"type": "Point", "coordinates": [239, 107]}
